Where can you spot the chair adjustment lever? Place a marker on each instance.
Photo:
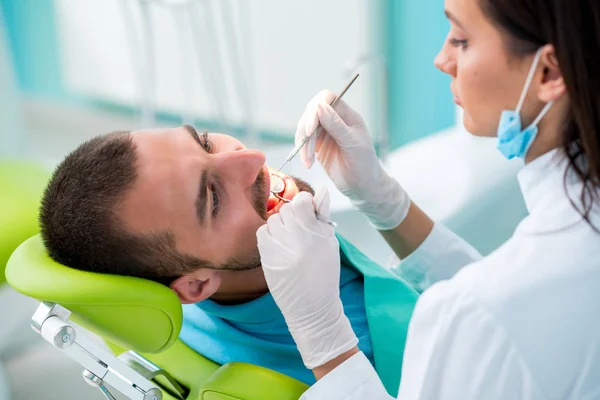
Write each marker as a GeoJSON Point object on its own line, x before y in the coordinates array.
{"type": "Point", "coordinates": [51, 321]}
{"type": "Point", "coordinates": [95, 381]}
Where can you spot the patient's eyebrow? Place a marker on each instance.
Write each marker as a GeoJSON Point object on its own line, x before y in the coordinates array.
{"type": "Point", "coordinates": [201, 199]}
{"type": "Point", "coordinates": [193, 133]}
{"type": "Point", "coordinates": [203, 188]}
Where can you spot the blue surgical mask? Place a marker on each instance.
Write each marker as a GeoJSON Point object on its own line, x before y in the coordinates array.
{"type": "Point", "coordinates": [513, 141]}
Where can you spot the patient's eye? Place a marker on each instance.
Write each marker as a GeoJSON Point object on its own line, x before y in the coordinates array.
{"type": "Point", "coordinates": [215, 201]}
{"type": "Point", "coordinates": [206, 143]}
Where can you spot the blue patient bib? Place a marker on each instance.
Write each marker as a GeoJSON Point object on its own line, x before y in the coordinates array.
{"type": "Point", "coordinates": [256, 332]}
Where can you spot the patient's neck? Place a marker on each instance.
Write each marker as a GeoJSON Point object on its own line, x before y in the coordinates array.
{"type": "Point", "coordinates": [239, 287]}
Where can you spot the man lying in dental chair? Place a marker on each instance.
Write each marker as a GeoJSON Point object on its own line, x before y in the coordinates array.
{"type": "Point", "coordinates": [182, 209]}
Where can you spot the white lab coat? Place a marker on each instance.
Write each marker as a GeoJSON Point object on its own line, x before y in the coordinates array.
{"type": "Point", "coordinates": [522, 323]}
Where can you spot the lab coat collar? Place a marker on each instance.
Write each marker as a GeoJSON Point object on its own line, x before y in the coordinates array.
{"type": "Point", "coordinates": [542, 183]}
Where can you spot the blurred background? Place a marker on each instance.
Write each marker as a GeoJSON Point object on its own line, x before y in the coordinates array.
{"type": "Point", "coordinates": [74, 69]}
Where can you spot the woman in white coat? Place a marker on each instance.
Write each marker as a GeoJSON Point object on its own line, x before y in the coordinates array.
{"type": "Point", "coordinates": [521, 323]}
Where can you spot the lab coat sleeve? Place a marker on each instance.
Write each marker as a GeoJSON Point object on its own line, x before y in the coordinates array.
{"type": "Point", "coordinates": [354, 379]}
{"type": "Point", "coordinates": [455, 350]}
{"type": "Point", "coordinates": [439, 257]}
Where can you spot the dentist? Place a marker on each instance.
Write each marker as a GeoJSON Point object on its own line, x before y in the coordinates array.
{"type": "Point", "coordinates": [521, 323]}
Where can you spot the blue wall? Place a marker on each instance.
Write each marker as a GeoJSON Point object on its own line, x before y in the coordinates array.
{"type": "Point", "coordinates": [32, 38]}
{"type": "Point", "coordinates": [420, 101]}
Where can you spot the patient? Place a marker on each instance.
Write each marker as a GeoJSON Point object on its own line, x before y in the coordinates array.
{"type": "Point", "coordinates": [182, 209]}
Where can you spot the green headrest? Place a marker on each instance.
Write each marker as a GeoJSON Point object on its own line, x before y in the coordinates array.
{"type": "Point", "coordinates": [133, 313]}
{"type": "Point", "coordinates": [21, 186]}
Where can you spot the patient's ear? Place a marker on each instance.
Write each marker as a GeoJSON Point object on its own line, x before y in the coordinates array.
{"type": "Point", "coordinates": [196, 286]}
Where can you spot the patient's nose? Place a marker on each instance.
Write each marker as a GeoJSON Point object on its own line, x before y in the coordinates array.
{"type": "Point", "coordinates": [240, 166]}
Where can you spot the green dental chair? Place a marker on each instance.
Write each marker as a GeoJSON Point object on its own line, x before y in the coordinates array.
{"type": "Point", "coordinates": [21, 186]}
{"type": "Point", "coordinates": [138, 319]}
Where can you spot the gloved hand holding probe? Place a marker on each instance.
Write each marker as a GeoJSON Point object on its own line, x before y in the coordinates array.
{"type": "Point", "coordinates": [344, 147]}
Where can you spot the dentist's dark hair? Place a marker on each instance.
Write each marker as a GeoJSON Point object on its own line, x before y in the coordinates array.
{"type": "Point", "coordinates": [573, 28]}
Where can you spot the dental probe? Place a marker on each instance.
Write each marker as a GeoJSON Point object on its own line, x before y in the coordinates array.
{"type": "Point", "coordinates": [296, 149]}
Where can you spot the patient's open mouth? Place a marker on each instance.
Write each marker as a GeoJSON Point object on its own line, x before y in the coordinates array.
{"type": "Point", "coordinates": [283, 186]}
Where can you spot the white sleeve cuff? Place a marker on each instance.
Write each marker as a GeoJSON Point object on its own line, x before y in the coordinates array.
{"type": "Point", "coordinates": [354, 376]}
{"type": "Point", "coordinates": [439, 257]}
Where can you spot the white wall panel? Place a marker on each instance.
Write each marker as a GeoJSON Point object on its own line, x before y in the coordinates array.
{"type": "Point", "coordinates": [297, 48]}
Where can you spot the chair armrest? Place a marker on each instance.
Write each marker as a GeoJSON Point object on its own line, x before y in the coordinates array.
{"type": "Point", "coordinates": [235, 381]}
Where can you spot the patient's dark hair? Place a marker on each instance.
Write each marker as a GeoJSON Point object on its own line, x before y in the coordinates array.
{"type": "Point", "coordinates": [78, 220]}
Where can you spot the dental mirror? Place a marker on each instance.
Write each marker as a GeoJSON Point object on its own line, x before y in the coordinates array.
{"type": "Point", "coordinates": [277, 184]}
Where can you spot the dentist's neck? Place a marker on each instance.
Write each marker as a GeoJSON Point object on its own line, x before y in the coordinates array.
{"type": "Point", "coordinates": [550, 133]}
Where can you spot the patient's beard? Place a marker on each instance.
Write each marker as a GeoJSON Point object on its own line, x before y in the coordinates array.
{"type": "Point", "coordinates": [242, 263]}
{"type": "Point", "coordinates": [259, 196]}
{"type": "Point", "coordinates": [303, 186]}
{"type": "Point", "coordinates": [252, 260]}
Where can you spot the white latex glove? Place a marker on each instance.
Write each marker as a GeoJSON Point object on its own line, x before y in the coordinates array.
{"type": "Point", "coordinates": [301, 261]}
{"type": "Point", "coordinates": [344, 147]}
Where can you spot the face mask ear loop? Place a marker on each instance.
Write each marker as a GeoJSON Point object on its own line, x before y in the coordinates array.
{"type": "Point", "coordinates": [536, 60]}
{"type": "Point", "coordinates": [542, 114]}
{"type": "Point", "coordinates": [537, 121]}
